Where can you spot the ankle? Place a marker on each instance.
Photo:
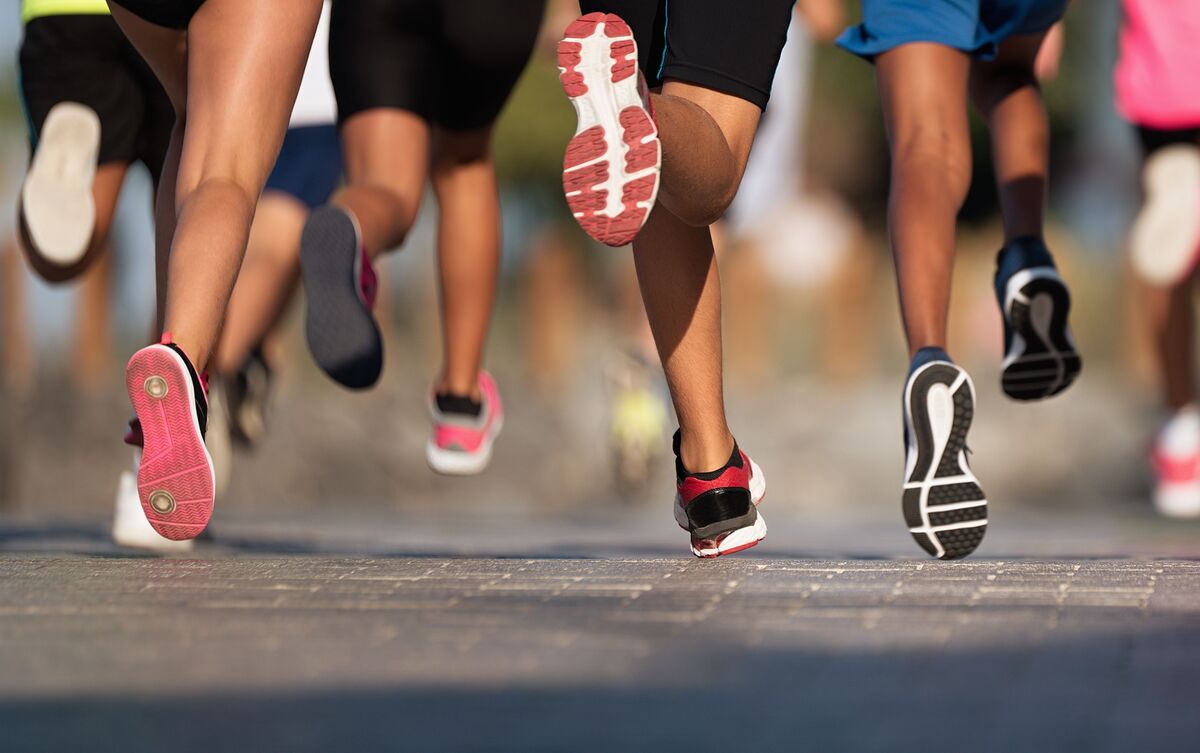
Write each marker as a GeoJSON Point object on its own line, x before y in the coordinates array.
{"type": "Point", "coordinates": [458, 387]}
{"type": "Point", "coordinates": [703, 453]}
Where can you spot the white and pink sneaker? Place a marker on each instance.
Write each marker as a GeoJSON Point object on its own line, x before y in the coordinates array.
{"type": "Point", "coordinates": [611, 169]}
{"type": "Point", "coordinates": [175, 481]}
{"type": "Point", "coordinates": [1176, 460]}
{"type": "Point", "coordinates": [462, 438]}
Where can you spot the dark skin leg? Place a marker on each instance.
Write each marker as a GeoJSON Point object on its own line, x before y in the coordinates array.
{"type": "Point", "coordinates": [1007, 94]}
{"type": "Point", "coordinates": [1170, 312]}
{"type": "Point", "coordinates": [923, 90]}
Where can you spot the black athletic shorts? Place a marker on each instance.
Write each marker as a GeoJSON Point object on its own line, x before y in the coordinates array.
{"type": "Point", "coordinates": [1153, 139]}
{"type": "Point", "coordinates": [173, 14]}
{"type": "Point", "coordinates": [86, 59]}
{"type": "Point", "coordinates": [452, 62]}
{"type": "Point", "coordinates": [731, 46]}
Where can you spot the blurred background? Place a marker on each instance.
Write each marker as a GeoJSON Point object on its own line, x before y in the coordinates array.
{"type": "Point", "coordinates": [814, 352]}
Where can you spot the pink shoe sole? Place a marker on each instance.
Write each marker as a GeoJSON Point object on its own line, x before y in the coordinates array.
{"type": "Point", "coordinates": [611, 168]}
{"type": "Point", "coordinates": [176, 483]}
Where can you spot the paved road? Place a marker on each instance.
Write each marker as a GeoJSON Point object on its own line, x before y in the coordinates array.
{"type": "Point", "coordinates": [240, 648]}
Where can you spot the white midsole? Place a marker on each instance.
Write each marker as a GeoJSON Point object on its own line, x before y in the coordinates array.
{"type": "Point", "coordinates": [602, 105]}
{"type": "Point", "coordinates": [940, 409]}
{"type": "Point", "coordinates": [460, 462]}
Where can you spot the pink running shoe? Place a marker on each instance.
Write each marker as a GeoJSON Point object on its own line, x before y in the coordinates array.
{"type": "Point", "coordinates": [176, 483]}
{"type": "Point", "coordinates": [464, 431]}
{"type": "Point", "coordinates": [611, 169]}
{"type": "Point", "coordinates": [1176, 461]}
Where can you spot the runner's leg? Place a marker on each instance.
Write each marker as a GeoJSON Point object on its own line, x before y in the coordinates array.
{"type": "Point", "coordinates": [923, 90]}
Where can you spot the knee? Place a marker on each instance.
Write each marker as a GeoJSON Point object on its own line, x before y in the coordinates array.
{"type": "Point", "coordinates": [933, 152]}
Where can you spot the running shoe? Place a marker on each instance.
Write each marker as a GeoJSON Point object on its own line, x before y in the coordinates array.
{"type": "Point", "coordinates": [611, 169]}
{"type": "Point", "coordinates": [246, 396]}
{"type": "Point", "coordinates": [720, 509]}
{"type": "Point", "coordinates": [1176, 461]}
{"type": "Point", "coordinates": [176, 483]}
{"type": "Point", "coordinates": [339, 288]}
{"type": "Point", "coordinates": [1165, 240]}
{"type": "Point", "coordinates": [57, 208]}
{"type": "Point", "coordinates": [464, 431]}
{"type": "Point", "coordinates": [130, 526]}
{"type": "Point", "coordinates": [944, 507]}
{"type": "Point", "coordinates": [1040, 358]}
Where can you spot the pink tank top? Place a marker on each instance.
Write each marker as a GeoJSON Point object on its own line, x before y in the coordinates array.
{"type": "Point", "coordinates": [1158, 73]}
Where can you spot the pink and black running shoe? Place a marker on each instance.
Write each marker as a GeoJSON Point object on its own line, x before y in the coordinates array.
{"type": "Point", "coordinates": [464, 430]}
{"type": "Point", "coordinates": [339, 291]}
{"type": "Point", "coordinates": [720, 509]}
{"type": "Point", "coordinates": [611, 169]}
{"type": "Point", "coordinates": [176, 483]}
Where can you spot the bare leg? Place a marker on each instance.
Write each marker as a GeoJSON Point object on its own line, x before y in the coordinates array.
{"type": "Point", "coordinates": [106, 190]}
{"type": "Point", "coordinates": [923, 90]}
{"type": "Point", "coordinates": [464, 180]}
{"type": "Point", "coordinates": [677, 269]}
{"type": "Point", "coordinates": [387, 164]}
{"type": "Point", "coordinates": [243, 63]}
{"type": "Point", "coordinates": [93, 335]}
{"type": "Point", "coordinates": [703, 157]}
{"type": "Point", "coordinates": [1170, 314]}
{"type": "Point", "coordinates": [267, 280]}
{"type": "Point", "coordinates": [1006, 92]}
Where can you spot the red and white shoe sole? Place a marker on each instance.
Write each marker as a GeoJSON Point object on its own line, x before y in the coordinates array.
{"type": "Point", "coordinates": [175, 483]}
{"type": "Point", "coordinates": [739, 539]}
{"type": "Point", "coordinates": [611, 168]}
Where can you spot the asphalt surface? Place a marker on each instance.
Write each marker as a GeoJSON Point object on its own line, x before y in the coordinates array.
{"type": "Point", "coordinates": [409, 633]}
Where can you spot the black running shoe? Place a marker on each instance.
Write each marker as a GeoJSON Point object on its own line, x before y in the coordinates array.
{"type": "Point", "coordinates": [1040, 358]}
{"type": "Point", "coordinates": [339, 288]}
{"type": "Point", "coordinates": [944, 506]}
{"type": "Point", "coordinates": [720, 509]}
{"type": "Point", "coordinates": [246, 395]}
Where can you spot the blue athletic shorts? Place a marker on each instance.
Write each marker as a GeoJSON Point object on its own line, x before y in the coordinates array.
{"type": "Point", "coordinates": [309, 165]}
{"type": "Point", "coordinates": [977, 27]}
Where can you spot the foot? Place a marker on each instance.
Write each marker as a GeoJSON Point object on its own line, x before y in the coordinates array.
{"type": "Point", "coordinates": [1176, 460]}
{"type": "Point", "coordinates": [611, 169]}
{"type": "Point", "coordinates": [1040, 358]}
{"type": "Point", "coordinates": [464, 430]}
{"type": "Point", "coordinates": [176, 484]}
{"type": "Point", "coordinates": [1165, 240]}
{"type": "Point", "coordinates": [720, 509]}
{"type": "Point", "coordinates": [246, 395]}
{"type": "Point", "coordinates": [339, 290]}
{"type": "Point", "coordinates": [944, 506]}
{"type": "Point", "coordinates": [57, 208]}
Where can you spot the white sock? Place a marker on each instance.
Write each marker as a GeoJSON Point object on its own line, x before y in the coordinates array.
{"type": "Point", "coordinates": [1180, 435]}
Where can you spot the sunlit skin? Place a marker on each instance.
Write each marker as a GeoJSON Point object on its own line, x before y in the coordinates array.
{"type": "Point", "coordinates": [230, 124]}
{"type": "Point", "coordinates": [924, 89]}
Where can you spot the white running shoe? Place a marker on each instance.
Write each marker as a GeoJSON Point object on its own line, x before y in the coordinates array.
{"type": "Point", "coordinates": [56, 200]}
{"type": "Point", "coordinates": [130, 527]}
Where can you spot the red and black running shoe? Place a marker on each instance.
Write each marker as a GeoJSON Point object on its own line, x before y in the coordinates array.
{"type": "Point", "coordinates": [611, 169]}
{"type": "Point", "coordinates": [720, 508]}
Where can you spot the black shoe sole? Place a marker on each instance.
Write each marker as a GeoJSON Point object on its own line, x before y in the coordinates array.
{"type": "Point", "coordinates": [944, 506]}
{"type": "Point", "coordinates": [342, 333]}
{"type": "Point", "coordinates": [1042, 362]}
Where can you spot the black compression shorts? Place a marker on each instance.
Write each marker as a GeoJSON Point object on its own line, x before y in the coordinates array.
{"type": "Point", "coordinates": [173, 14]}
{"type": "Point", "coordinates": [731, 46]}
{"type": "Point", "coordinates": [452, 62]}
{"type": "Point", "coordinates": [1154, 139]}
{"type": "Point", "coordinates": [86, 59]}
